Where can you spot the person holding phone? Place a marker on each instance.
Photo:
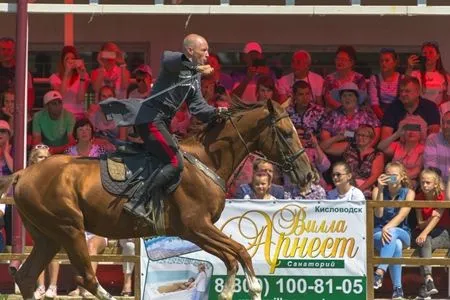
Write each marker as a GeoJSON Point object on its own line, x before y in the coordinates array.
{"type": "Point", "coordinates": [391, 232]}
{"type": "Point", "coordinates": [429, 69]}
{"type": "Point", "coordinates": [71, 81]}
{"type": "Point", "coordinates": [407, 145]}
{"type": "Point", "coordinates": [112, 70]}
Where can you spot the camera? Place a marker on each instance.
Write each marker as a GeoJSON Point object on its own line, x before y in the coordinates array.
{"type": "Point", "coordinates": [422, 61]}
{"type": "Point", "coordinates": [259, 62]}
{"type": "Point", "coordinates": [220, 90]}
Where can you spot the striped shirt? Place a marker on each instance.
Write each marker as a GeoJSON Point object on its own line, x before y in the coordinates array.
{"type": "Point", "coordinates": [437, 154]}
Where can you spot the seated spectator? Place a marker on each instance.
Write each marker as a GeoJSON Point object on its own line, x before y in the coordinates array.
{"type": "Point", "coordinates": [308, 189]}
{"type": "Point", "coordinates": [220, 78]}
{"type": "Point", "coordinates": [39, 153]}
{"type": "Point", "coordinates": [345, 61]}
{"type": "Point", "coordinates": [410, 103]}
{"type": "Point", "coordinates": [301, 64]}
{"type": "Point", "coordinates": [6, 160]}
{"type": "Point", "coordinates": [407, 146]}
{"type": "Point", "coordinates": [215, 95]}
{"type": "Point", "coordinates": [71, 81]}
{"type": "Point", "coordinates": [83, 132]}
{"type": "Point", "coordinates": [102, 126]}
{"type": "Point", "coordinates": [344, 184]}
{"type": "Point", "coordinates": [260, 165]}
{"type": "Point", "coordinates": [391, 232]}
{"type": "Point", "coordinates": [437, 149]}
{"type": "Point", "coordinates": [344, 121]}
{"type": "Point", "coordinates": [256, 66]}
{"type": "Point", "coordinates": [7, 107]}
{"type": "Point", "coordinates": [266, 90]}
{"type": "Point", "coordinates": [432, 76]}
{"type": "Point", "coordinates": [260, 187]}
{"type": "Point", "coordinates": [53, 125]}
{"type": "Point", "coordinates": [306, 116]}
{"type": "Point", "coordinates": [144, 79]}
{"type": "Point", "coordinates": [384, 87]}
{"type": "Point", "coordinates": [112, 70]}
{"type": "Point", "coordinates": [8, 71]}
{"type": "Point", "coordinates": [432, 224]}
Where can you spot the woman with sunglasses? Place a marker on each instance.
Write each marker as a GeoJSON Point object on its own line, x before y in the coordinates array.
{"type": "Point", "coordinates": [384, 87]}
{"type": "Point", "coordinates": [431, 73]}
{"type": "Point", "coordinates": [344, 184]}
{"type": "Point", "coordinates": [391, 232]}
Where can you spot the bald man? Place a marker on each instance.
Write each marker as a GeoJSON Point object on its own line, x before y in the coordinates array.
{"type": "Point", "coordinates": [178, 81]}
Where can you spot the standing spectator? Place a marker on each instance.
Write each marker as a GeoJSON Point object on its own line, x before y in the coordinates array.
{"type": "Point", "coordinates": [83, 133]}
{"type": "Point", "coordinates": [384, 87]}
{"type": "Point", "coordinates": [53, 125]}
{"type": "Point", "coordinates": [38, 154]}
{"type": "Point", "coordinates": [391, 232]}
{"type": "Point", "coordinates": [431, 74]}
{"type": "Point", "coordinates": [245, 82]}
{"type": "Point", "coordinates": [144, 79]}
{"type": "Point", "coordinates": [71, 81]}
{"type": "Point", "coordinates": [301, 64]}
{"type": "Point", "coordinates": [112, 70]}
{"type": "Point", "coordinates": [407, 146]}
{"type": "Point", "coordinates": [433, 225]}
{"type": "Point", "coordinates": [344, 184]}
{"type": "Point", "coordinates": [345, 120]}
{"type": "Point", "coordinates": [437, 149]}
{"type": "Point", "coordinates": [259, 165]}
{"type": "Point", "coordinates": [410, 104]}
{"type": "Point", "coordinates": [345, 61]}
{"type": "Point", "coordinates": [8, 70]}
{"type": "Point", "coordinates": [220, 78]}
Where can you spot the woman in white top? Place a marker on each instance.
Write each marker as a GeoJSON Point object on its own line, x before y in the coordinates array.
{"type": "Point", "coordinates": [430, 72]}
{"type": "Point", "coordinates": [200, 283]}
{"type": "Point", "coordinates": [384, 87]}
{"type": "Point", "coordinates": [344, 184]}
{"type": "Point", "coordinates": [112, 70]}
{"type": "Point", "coordinates": [71, 81]}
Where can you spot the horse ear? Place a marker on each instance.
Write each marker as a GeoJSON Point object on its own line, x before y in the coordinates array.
{"type": "Point", "coordinates": [270, 106]}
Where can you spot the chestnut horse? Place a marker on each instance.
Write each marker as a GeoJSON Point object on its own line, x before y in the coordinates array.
{"type": "Point", "coordinates": [62, 197]}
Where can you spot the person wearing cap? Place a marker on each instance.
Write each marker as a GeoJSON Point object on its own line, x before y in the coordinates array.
{"type": "Point", "coordinates": [300, 64]}
{"type": "Point", "coordinates": [71, 81]}
{"type": "Point", "coordinates": [384, 87]}
{"type": "Point", "coordinates": [245, 86]}
{"type": "Point", "coordinates": [340, 126]}
{"type": "Point", "coordinates": [144, 77]}
{"type": "Point", "coordinates": [410, 103]}
{"type": "Point", "coordinates": [345, 60]}
{"type": "Point", "coordinates": [53, 125]}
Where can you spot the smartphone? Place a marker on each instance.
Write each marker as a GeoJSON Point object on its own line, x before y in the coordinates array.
{"type": "Point", "coordinates": [422, 61]}
{"type": "Point", "coordinates": [411, 127]}
{"type": "Point", "coordinates": [78, 62]}
{"type": "Point", "coordinates": [349, 134]}
{"type": "Point", "coordinates": [393, 179]}
{"type": "Point", "coordinates": [108, 55]}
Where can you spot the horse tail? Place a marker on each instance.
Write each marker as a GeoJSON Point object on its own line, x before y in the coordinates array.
{"type": "Point", "coordinates": [7, 181]}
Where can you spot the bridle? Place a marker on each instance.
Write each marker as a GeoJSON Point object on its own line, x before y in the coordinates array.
{"type": "Point", "coordinates": [288, 158]}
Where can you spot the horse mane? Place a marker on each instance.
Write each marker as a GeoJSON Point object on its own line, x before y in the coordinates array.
{"type": "Point", "coordinates": [237, 107]}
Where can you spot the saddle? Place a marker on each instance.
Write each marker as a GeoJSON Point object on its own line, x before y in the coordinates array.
{"type": "Point", "coordinates": [127, 173]}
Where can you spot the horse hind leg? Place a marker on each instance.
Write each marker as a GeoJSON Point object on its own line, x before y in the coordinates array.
{"type": "Point", "coordinates": [77, 250]}
{"type": "Point", "coordinates": [43, 251]}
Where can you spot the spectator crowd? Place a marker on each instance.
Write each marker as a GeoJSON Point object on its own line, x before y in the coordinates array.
{"type": "Point", "coordinates": [382, 138]}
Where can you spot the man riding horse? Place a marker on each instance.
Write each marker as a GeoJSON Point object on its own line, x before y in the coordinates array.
{"type": "Point", "coordinates": [178, 81]}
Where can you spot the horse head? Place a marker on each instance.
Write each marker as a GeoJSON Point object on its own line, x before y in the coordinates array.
{"type": "Point", "coordinates": [269, 130]}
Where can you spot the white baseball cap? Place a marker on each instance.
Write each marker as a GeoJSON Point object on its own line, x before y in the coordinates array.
{"type": "Point", "coordinates": [252, 46]}
{"type": "Point", "coordinates": [52, 95]}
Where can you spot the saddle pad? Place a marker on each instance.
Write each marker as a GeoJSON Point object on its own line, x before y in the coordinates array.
{"type": "Point", "coordinates": [116, 170]}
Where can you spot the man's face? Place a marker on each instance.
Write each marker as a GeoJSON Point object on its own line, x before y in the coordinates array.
{"type": "Point", "coordinates": [143, 81]}
{"type": "Point", "coordinates": [265, 167]}
{"type": "Point", "coordinates": [199, 52]}
{"type": "Point", "coordinates": [302, 97]}
{"type": "Point", "coordinates": [300, 62]}
{"type": "Point", "coordinates": [54, 108]}
{"type": "Point", "coordinates": [409, 94]}
{"type": "Point", "coordinates": [446, 126]}
{"type": "Point", "coordinates": [6, 51]}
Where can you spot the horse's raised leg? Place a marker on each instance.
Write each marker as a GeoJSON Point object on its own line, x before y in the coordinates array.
{"type": "Point", "coordinates": [43, 251]}
{"type": "Point", "coordinates": [209, 237]}
{"type": "Point", "coordinates": [77, 251]}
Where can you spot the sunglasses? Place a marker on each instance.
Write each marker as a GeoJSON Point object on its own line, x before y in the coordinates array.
{"type": "Point", "coordinates": [4, 131]}
{"type": "Point", "coordinates": [338, 175]}
{"type": "Point", "coordinates": [41, 146]}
